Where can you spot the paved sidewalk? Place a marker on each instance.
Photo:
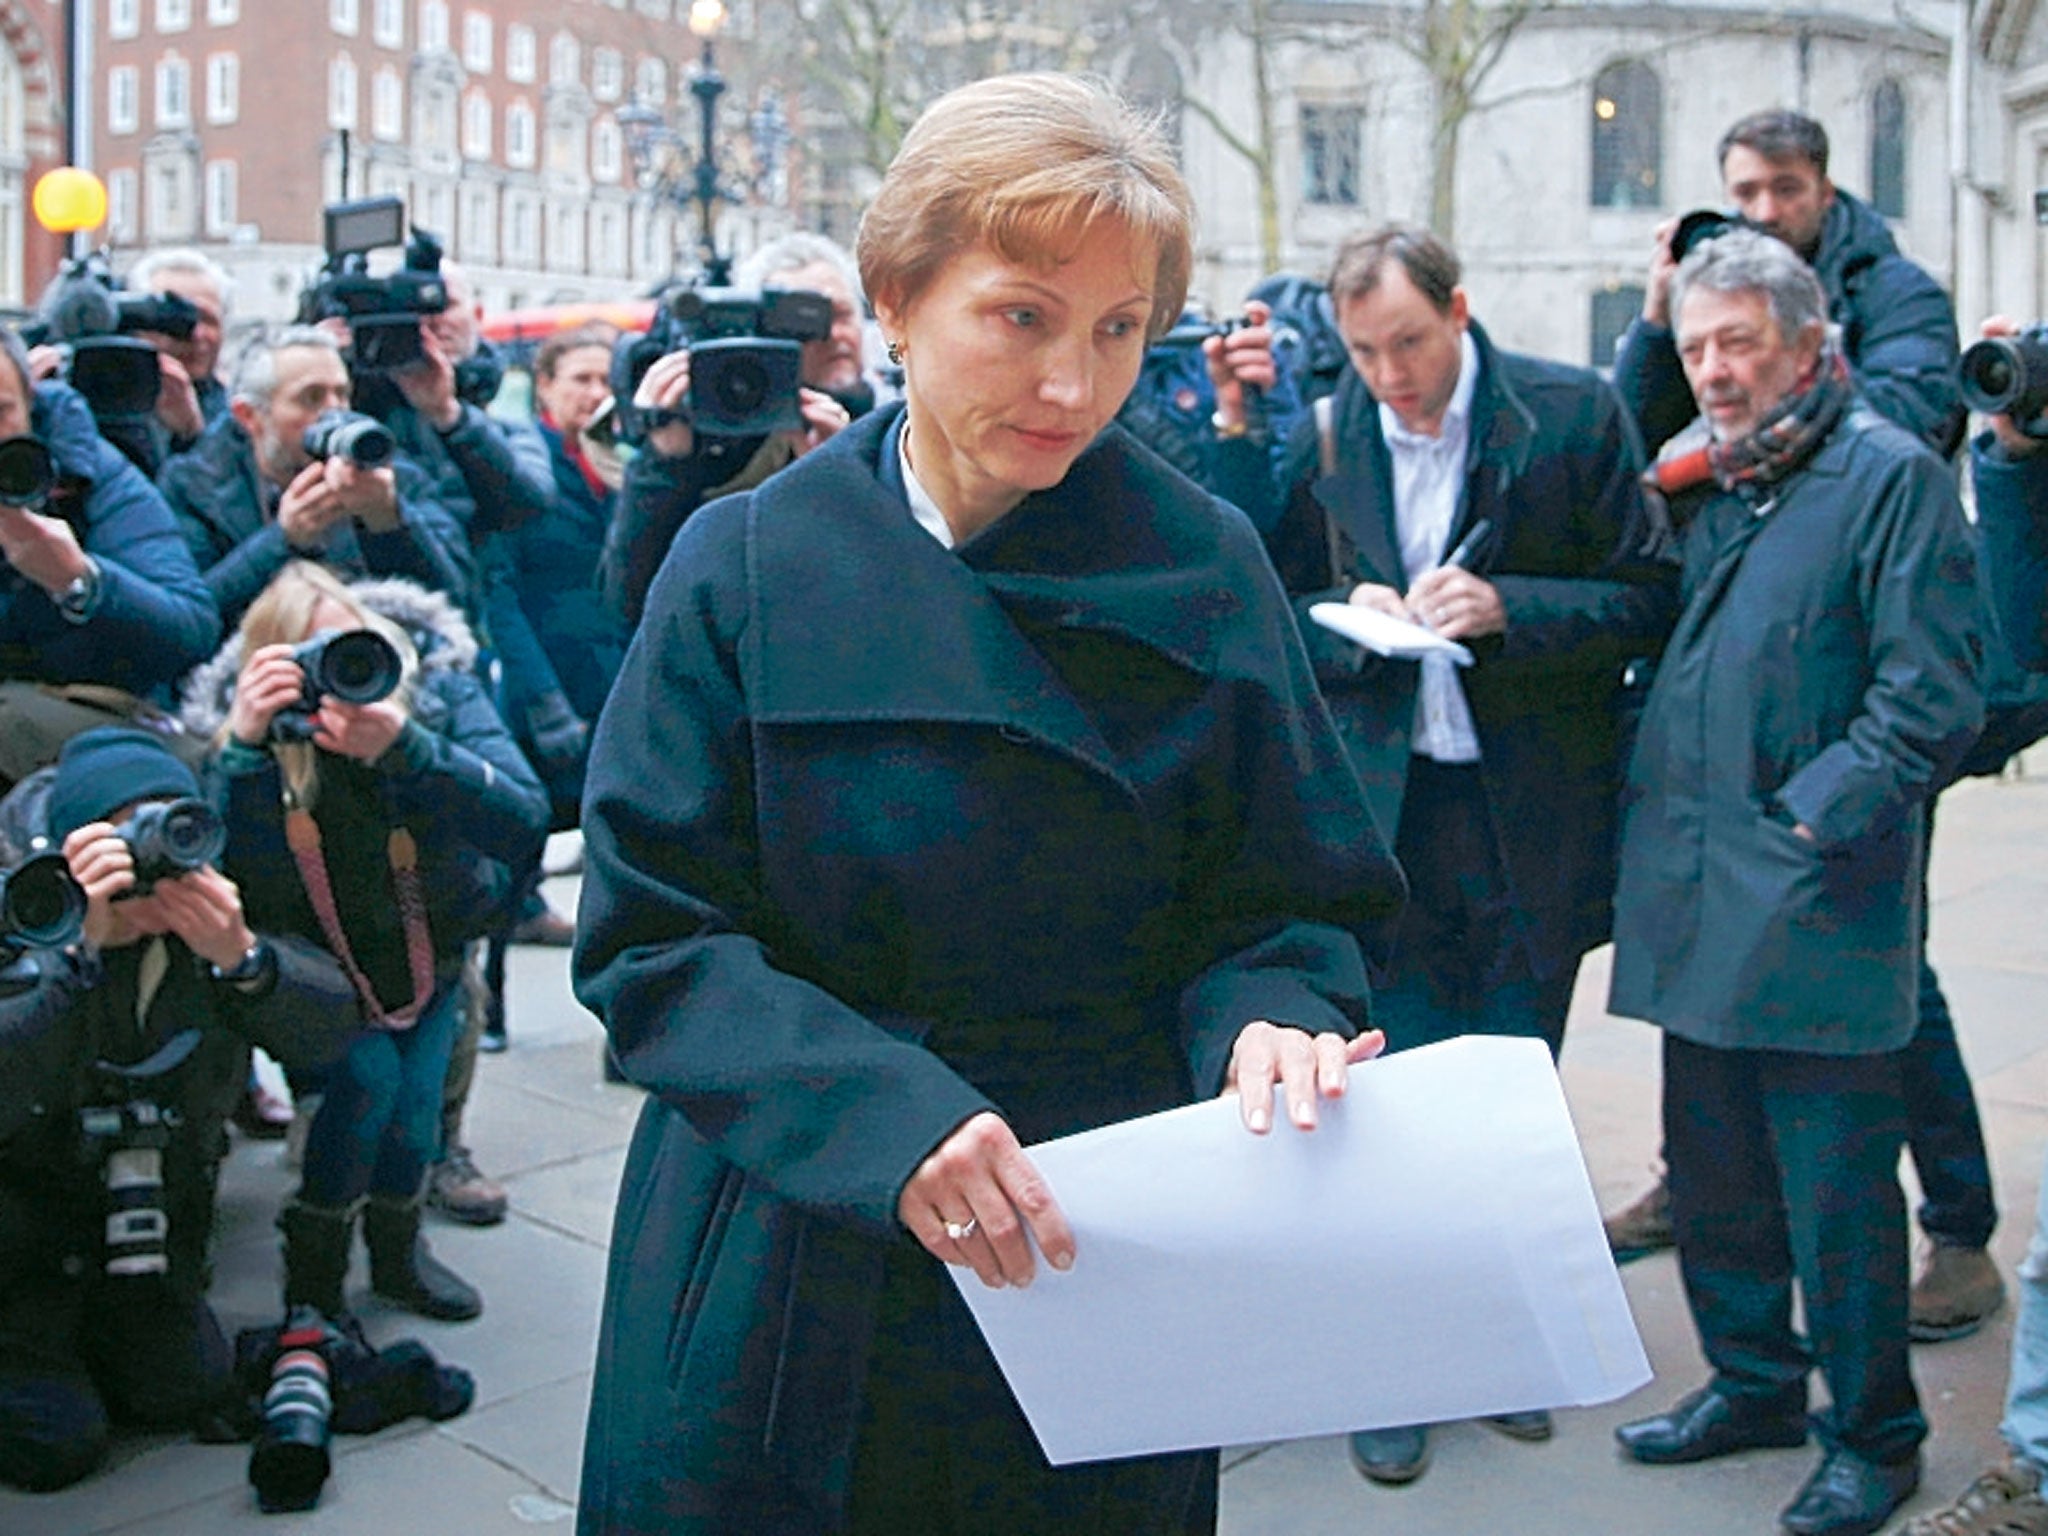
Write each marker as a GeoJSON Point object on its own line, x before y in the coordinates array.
{"type": "Point", "coordinates": [544, 1121]}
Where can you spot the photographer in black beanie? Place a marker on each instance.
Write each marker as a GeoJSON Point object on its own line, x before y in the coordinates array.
{"type": "Point", "coordinates": [119, 1055]}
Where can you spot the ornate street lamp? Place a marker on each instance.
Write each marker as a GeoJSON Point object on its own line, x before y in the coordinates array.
{"type": "Point", "coordinates": [658, 150]}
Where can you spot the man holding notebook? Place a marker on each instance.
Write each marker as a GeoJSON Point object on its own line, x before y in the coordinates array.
{"type": "Point", "coordinates": [1493, 499]}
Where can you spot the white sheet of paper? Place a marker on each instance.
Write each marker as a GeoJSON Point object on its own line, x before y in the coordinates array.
{"type": "Point", "coordinates": [1386, 635]}
{"type": "Point", "coordinates": [1432, 1251]}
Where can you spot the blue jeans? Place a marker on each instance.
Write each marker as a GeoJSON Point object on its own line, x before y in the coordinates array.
{"type": "Point", "coordinates": [379, 1124]}
{"type": "Point", "coordinates": [2026, 1392]}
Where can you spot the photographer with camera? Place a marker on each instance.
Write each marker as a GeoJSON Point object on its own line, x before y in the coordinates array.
{"type": "Point", "coordinates": [379, 807]}
{"type": "Point", "coordinates": [2010, 472]}
{"type": "Point", "coordinates": [292, 473]}
{"type": "Point", "coordinates": [1898, 327]}
{"type": "Point", "coordinates": [696, 446]}
{"type": "Point", "coordinates": [191, 397]}
{"type": "Point", "coordinates": [99, 598]}
{"type": "Point", "coordinates": [119, 1053]}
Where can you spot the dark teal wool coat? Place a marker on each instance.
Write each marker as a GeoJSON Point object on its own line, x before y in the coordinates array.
{"type": "Point", "coordinates": [880, 835]}
{"type": "Point", "coordinates": [1825, 671]}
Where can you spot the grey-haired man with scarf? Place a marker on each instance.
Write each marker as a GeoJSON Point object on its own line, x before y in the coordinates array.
{"type": "Point", "coordinates": [1823, 679]}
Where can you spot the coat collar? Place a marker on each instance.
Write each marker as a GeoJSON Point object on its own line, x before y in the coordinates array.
{"type": "Point", "coordinates": [1360, 495]}
{"type": "Point", "coordinates": [859, 614]}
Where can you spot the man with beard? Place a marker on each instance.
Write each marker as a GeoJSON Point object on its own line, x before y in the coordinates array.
{"type": "Point", "coordinates": [682, 469]}
{"type": "Point", "coordinates": [250, 496]}
{"type": "Point", "coordinates": [1822, 681]}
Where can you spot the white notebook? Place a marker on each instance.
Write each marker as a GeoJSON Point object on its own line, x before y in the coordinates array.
{"type": "Point", "coordinates": [1386, 635]}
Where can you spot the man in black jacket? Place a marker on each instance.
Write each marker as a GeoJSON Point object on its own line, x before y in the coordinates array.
{"type": "Point", "coordinates": [1493, 499]}
{"type": "Point", "coordinates": [681, 468]}
{"type": "Point", "coordinates": [1898, 336]}
{"type": "Point", "coordinates": [118, 1060]}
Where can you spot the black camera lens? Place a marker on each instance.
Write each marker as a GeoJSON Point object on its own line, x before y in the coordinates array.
{"type": "Point", "coordinates": [2007, 375]}
{"type": "Point", "coordinates": [359, 667]}
{"type": "Point", "coordinates": [168, 838]}
{"type": "Point", "coordinates": [40, 904]}
{"type": "Point", "coordinates": [290, 1461]}
{"type": "Point", "coordinates": [739, 388]}
{"type": "Point", "coordinates": [363, 440]}
{"type": "Point", "coordinates": [1700, 225]}
{"type": "Point", "coordinates": [28, 473]}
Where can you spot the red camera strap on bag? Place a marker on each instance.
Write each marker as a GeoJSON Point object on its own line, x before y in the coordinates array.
{"type": "Point", "coordinates": [303, 834]}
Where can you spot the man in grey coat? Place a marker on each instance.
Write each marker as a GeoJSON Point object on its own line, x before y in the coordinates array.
{"type": "Point", "coordinates": [1824, 677]}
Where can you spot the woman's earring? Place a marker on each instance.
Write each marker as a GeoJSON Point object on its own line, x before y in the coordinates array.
{"type": "Point", "coordinates": [895, 350]}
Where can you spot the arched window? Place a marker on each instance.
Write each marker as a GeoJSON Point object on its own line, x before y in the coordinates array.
{"type": "Point", "coordinates": [1888, 149]}
{"type": "Point", "coordinates": [1628, 136]}
{"type": "Point", "coordinates": [1154, 83]}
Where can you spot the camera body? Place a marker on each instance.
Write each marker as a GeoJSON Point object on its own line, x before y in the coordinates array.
{"type": "Point", "coordinates": [127, 1140]}
{"type": "Point", "coordinates": [168, 838]}
{"type": "Point", "coordinates": [2008, 375]}
{"type": "Point", "coordinates": [1703, 224]}
{"type": "Point", "coordinates": [746, 358]}
{"type": "Point", "coordinates": [357, 666]}
{"type": "Point", "coordinates": [91, 319]}
{"type": "Point", "coordinates": [1191, 334]}
{"type": "Point", "coordinates": [383, 313]}
{"type": "Point", "coordinates": [41, 905]}
{"type": "Point", "coordinates": [363, 440]}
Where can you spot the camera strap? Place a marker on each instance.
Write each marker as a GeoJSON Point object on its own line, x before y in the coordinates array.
{"type": "Point", "coordinates": [302, 832]}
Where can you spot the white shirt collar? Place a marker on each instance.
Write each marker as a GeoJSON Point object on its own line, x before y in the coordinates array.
{"type": "Point", "coordinates": [922, 507]}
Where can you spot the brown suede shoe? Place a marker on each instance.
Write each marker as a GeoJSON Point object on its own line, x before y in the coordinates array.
{"type": "Point", "coordinates": [461, 1193]}
{"type": "Point", "coordinates": [1954, 1290]}
{"type": "Point", "coordinates": [1641, 1227]}
{"type": "Point", "coordinates": [2003, 1501]}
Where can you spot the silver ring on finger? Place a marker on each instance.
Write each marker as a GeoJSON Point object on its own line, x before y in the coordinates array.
{"type": "Point", "coordinates": [960, 1231]}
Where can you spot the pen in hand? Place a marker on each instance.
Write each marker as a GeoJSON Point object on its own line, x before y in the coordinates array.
{"type": "Point", "coordinates": [1475, 536]}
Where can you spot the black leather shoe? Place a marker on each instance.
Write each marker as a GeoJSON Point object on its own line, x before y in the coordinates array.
{"type": "Point", "coordinates": [1849, 1496]}
{"type": "Point", "coordinates": [1532, 1424]}
{"type": "Point", "coordinates": [1709, 1424]}
{"type": "Point", "coordinates": [1391, 1456]}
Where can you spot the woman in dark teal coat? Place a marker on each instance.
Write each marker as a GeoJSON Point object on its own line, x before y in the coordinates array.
{"type": "Point", "coordinates": [965, 786]}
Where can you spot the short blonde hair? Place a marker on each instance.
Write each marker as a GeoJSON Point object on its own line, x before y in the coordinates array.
{"type": "Point", "coordinates": [283, 615]}
{"type": "Point", "coordinates": [1023, 164]}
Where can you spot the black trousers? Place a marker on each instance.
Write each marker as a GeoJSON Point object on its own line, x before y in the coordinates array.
{"type": "Point", "coordinates": [76, 1359]}
{"type": "Point", "coordinates": [1461, 963]}
{"type": "Point", "coordinates": [1943, 1131]}
{"type": "Point", "coordinates": [1784, 1165]}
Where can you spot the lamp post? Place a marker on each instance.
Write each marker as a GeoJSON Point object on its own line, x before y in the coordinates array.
{"type": "Point", "coordinates": [658, 150]}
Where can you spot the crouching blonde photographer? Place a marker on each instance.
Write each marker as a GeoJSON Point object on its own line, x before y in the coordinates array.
{"type": "Point", "coordinates": [375, 802]}
{"type": "Point", "coordinates": [132, 983]}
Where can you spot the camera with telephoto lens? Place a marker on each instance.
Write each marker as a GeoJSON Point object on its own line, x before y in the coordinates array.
{"type": "Point", "coordinates": [123, 1131]}
{"type": "Point", "coordinates": [383, 313]}
{"type": "Point", "coordinates": [87, 315]}
{"type": "Point", "coordinates": [746, 359]}
{"type": "Point", "coordinates": [356, 666]}
{"type": "Point", "coordinates": [168, 838]}
{"type": "Point", "coordinates": [2008, 376]}
{"type": "Point", "coordinates": [363, 440]}
{"type": "Point", "coordinates": [41, 905]}
{"type": "Point", "coordinates": [289, 1463]}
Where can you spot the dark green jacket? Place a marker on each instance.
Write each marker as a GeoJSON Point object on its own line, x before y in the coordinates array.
{"type": "Point", "coordinates": [880, 835]}
{"type": "Point", "coordinates": [1826, 671]}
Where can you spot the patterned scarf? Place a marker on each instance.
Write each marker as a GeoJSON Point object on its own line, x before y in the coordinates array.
{"type": "Point", "coordinates": [1781, 443]}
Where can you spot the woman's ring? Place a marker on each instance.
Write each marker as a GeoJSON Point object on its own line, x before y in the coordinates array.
{"type": "Point", "coordinates": [960, 1231]}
